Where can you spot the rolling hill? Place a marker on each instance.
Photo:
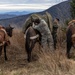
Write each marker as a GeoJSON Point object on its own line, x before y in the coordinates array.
{"type": "Point", "coordinates": [61, 11]}
{"type": "Point", "coordinates": [5, 16]}
{"type": "Point", "coordinates": [18, 13]}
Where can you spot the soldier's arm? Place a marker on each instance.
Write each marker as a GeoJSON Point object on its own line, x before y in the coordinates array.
{"type": "Point", "coordinates": [35, 26]}
{"type": "Point", "coordinates": [41, 24]}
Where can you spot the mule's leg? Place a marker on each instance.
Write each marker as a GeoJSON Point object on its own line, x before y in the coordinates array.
{"type": "Point", "coordinates": [69, 42]}
{"type": "Point", "coordinates": [69, 45]}
{"type": "Point", "coordinates": [29, 56]}
{"type": "Point", "coordinates": [27, 46]}
{"type": "Point", "coordinates": [29, 49]}
{"type": "Point", "coordinates": [5, 51]}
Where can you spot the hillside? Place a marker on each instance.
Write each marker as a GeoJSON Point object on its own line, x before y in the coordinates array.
{"type": "Point", "coordinates": [61, 11]}
{"type": "Point", "coordinates": [16, 21]}
{"type": "Point", "coordinates": [44, 62]}
{"type": "Point", "coordinates": [18, 13]}
{"type": "Point", "coordinates": [5, 16]}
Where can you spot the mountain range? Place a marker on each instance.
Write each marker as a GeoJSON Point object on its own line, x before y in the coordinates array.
{"type": "Point", "coordinates": [7, 15]}
{"type": "Point", "coordinates": [61, 11]}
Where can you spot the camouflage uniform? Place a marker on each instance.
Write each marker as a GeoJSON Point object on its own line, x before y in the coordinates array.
{"type": "Point", "coordinates": [29, 20]}
{"type": "Point", "coordinates": [54, 33]}
{"type": "Point", "coordinates": [47, 17]}
{"type": "Point", "coordinates": [60, 34]}
{"type": "Point", "coordinates": [46, 38]}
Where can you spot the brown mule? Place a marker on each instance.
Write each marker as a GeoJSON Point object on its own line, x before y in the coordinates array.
{"type": "Point", "coordinates": [70, 37]}
{"type": "Point", "coordinates": [4, 40]}
{"type": "Point", "coordinates": [32, 36]}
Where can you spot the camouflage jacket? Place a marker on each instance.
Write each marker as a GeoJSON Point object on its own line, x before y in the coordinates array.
{"type": "Point", "coordinates": [46, 36]}
{"type": "Point", "coordinates": [55, 27]}
{"type": "Point", "coordinates": [42, 27]}
{"type": "Point", "coordinates": [47, 17]}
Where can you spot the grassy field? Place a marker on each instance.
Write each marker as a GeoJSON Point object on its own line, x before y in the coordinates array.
{"type": "Point", "coordinates": [44, 62]}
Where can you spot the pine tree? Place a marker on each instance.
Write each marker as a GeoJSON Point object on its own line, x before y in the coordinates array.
{"type": "Point", "coordinates": [73, 9]}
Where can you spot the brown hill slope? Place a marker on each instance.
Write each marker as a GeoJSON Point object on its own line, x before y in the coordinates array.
{"type": "Point", "coordinates": [43, 62]}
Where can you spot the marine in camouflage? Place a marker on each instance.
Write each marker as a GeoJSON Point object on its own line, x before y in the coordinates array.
{"type": "Point", "coordinates": [47, 17]}
{"type": "Point", "coordinates": [46, 39]}
{"type": "Point", "coordinates": [54, 33]}
{"type": "Point", "coordinates": [45, 28]}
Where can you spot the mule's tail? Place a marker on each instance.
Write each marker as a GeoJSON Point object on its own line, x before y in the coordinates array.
{"type": "Point", "coordinates": [28, 47]}
{"type": "Point", "coordinates": [27, 44]}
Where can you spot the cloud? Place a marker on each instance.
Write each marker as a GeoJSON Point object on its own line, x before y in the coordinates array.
{"type": "Point", "coordinates": [17, 5]}
{"type": "Point", "coordinates": [29, 1]}
{"type": "Point", "coordinates": [44, 1]}
{"type": "Point", "coordinates": [24, 6]}
{"type": "Point", "coordinates": [13, 1]}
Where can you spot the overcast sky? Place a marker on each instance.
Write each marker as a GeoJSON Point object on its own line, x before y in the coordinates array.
{"type": "Point", "coordinates": [24, 5]}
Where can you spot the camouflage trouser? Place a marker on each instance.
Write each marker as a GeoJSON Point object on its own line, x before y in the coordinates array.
{"type": "Point", "coordinates": [47, 40]}
{"type": "Point", "coordinates": [55, 40]}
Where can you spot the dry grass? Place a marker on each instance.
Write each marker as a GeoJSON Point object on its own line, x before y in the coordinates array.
{"type": "Point", "coordinates": [44, 62]}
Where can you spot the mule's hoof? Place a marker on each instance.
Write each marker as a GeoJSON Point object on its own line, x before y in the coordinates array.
{"type": "Point", "coordinates": [6, 59]}
{"type": "Point", "coordinates": [29, 60]}
{"type": "Point", "coordinates": [68, 57]}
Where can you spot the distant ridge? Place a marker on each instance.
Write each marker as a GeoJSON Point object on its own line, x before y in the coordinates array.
{"type": "Point", "coordinates": [18, 13]}
{"type": "Point", "coordinates": [61, 11]}
{"type": "Point", "coordinates": [7, 15]}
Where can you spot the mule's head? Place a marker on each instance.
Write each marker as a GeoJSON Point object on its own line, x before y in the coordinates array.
{"type": "Point", "coordinates": [73, 39]}
{"type": "Point", "coordinates": [9, 30]}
